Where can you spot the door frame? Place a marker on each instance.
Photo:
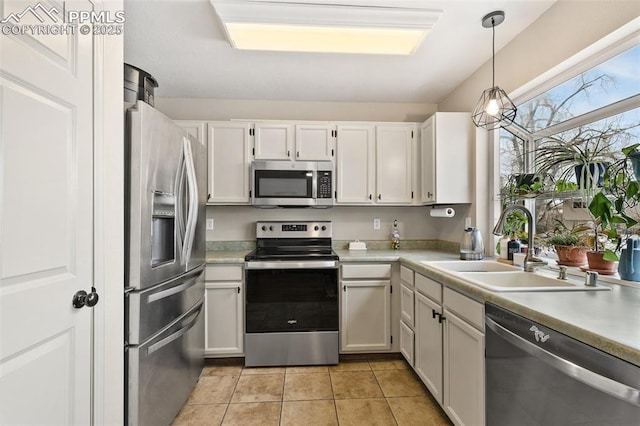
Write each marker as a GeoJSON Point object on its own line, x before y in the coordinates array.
{"type": "Point", "coordinates": [108, 315]}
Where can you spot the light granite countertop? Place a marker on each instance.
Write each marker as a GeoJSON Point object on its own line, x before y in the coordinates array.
{"type": "Point", "coordinates": [607, 320]}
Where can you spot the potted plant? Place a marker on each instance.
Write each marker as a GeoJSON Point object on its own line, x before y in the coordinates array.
{"type": "Point", "coordinates": [586, 155]}
{"type": "Point", "coordinates": [570, 245]}
{"type": "Point", "coordinates": [525, 185]}
{"type": "Point", "coordinates": [632, 152]}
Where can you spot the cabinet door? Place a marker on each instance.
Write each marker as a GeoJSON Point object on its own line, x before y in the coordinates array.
{"type": "Point", "coordinates": [446, 158]}
{"type": "Point", "coordinates": [273, 141]}
{"type": "Point", "coordinates": [427, 154]}
{"type": "Point", "coordinates": [197, 129]}
{"type": "Point", "coordinates": [428, 351]}
{"type": "Point", "coordinates": [393, 164]}
{"type": "Point", "coordinates": [406, 342]}
{"type": "Point", "coordinates": [314, 142]}
{"type": "Point", "coordinates": [406, 304]}
{"type": "Point", "coordinates": [463, 371]}
{"type": "Point", "coordinates": [224, 318]}
{"type": "Point", "coordinates": [355, 165]}
{"type": "Point", "coordinates": [229, 163]}
{"type": "Point", "coordinates": [366, 315]}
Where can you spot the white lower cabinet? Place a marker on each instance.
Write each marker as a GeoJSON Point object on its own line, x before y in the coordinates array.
{"type": "Point", "coordinates": [407, 340]}
{"type": "Point", "coordinates": [449, 349]}
{"type": "Point", "coordinates": [365, 308]}
{"type": "Point", "coordinates": [464, 385]}
{"type": "Point", "coordinates": [428, 357]}
{"type": "Point", "coordinates": [224, 311]}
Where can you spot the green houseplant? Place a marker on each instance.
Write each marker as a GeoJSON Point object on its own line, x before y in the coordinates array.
{"type": "Point", "coordinates": [570, 244]}
{"type": "Point", "coordinates": [586, 155]}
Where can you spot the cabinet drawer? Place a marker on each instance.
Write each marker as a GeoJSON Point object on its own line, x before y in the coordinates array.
{"type": "Point", "coordinates": [223, 273]}
{"type": "Point", "coordinates": [406, 275]}
{"type": "Point", "coordinates": [366, 271]}
{"type": "Point", "coordinates": [467, 309]}
{"type": "Point", "coordinates": [429, 287]}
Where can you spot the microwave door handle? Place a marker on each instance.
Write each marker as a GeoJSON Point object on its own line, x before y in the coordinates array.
{"type": "Point", "coordinates": [314, 185]}
{"type": "Point", "coordinates": [192, 185]}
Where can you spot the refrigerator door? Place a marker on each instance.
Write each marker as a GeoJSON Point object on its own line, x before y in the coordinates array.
{"type": "Point", "coordinates": [163, 370]}
{"type": "Point", "coordinates": [153, 309]}
{"type": "Point", "coordinates": [156, 172]}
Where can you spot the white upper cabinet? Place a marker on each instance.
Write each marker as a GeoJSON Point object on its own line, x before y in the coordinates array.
{"type": "Point", "coordinates": [315, 142]}
{"type": "Point", "coordinates": [273, 141]}
{"type": "Point", "coordinates": [355, 164]}
{"type": "Point", "coordinates": [446, 139]}
{"type": "Point", "coordinates": [197, 129]}
{"type": "Point", "coordinates": [394, 164]}
{"type": "Point", "coordinates": [229, 162]}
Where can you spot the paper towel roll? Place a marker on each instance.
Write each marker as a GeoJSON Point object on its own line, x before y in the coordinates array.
{"type": "Point", "coordinates": [442, 212]}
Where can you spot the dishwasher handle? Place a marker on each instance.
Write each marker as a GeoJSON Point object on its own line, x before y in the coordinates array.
{"type": "Point", "coordinates": [586, 376]}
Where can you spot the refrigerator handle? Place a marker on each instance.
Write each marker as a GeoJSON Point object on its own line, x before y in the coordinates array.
{"type": "Point", "coordinates": [192, 184]}
{"type": "Point", "coordinates": [180, 222]}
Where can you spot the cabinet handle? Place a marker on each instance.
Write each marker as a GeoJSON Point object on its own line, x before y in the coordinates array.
{"type": "Point", "coordinates": [298, 154]}
{"type": "Point", "coordinates": [238, 289]}
{"type": "Point", "coordinates": [208, 197]}
{"type": "Point", "coordinates": [429, 194]}
{"type": "Point", "coordinates": [370, 196]}
{"type": "Point", "coordinates": [288, 153]}
{"type": "Point", "coordinates": [434, 313]}
{"type": "Point", "coordinates": [344, 288]}
{"type": "Point", "coordinates": [441, 318]}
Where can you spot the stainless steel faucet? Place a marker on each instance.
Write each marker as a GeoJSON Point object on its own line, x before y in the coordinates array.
{"type": "Point", "coordinates": [530, 262]}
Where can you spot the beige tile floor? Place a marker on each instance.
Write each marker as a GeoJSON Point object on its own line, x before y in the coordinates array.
{"type": "Point", "coordinates": [357, 391]}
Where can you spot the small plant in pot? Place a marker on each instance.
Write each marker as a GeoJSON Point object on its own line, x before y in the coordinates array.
{"type": "Point", "coordinates": [570, 245]}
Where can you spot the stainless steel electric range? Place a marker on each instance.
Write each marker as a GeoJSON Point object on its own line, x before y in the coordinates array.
{"type": "Point", "coordinates": [291, 306]}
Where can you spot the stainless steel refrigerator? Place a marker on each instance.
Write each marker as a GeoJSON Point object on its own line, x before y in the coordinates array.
{"type": "Point", "coordinates": [164, 286]}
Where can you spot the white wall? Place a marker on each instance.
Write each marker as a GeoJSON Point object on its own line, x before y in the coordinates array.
{"type": "Point", "coordinates": [565, 29]}
{"type": "Point", "coordinates": [225, 109]}
{"type": "Point", "coordinates": [237, 223]}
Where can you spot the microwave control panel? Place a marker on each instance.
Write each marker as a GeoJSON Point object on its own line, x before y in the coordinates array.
{"type": "Point", "coordinates": [324, 184]}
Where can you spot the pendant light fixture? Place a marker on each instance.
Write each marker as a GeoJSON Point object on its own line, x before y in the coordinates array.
{"type": "Point", "coordinates": [494, 109]}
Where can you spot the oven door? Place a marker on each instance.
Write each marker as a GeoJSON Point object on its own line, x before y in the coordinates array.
{"type": "Point", "coordinates": [289, 184]}
{"type": "Point", "coordinates": [288, 297]}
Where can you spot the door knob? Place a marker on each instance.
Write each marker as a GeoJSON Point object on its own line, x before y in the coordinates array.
{"type": "Point", "coordinates": [81, 298]}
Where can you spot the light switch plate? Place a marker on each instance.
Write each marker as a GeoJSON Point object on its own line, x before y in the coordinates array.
{"type": "Point", "coordinates": [209, 224]}
{"type": "Point", "coordinates": [376, 223]}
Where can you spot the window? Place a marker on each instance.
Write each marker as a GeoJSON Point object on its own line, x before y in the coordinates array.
{"type": "Point", "coordinates": [596, 111]}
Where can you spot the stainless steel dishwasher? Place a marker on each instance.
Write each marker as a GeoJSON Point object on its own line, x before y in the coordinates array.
{"type": "Point", "coordinates": [537, 376]}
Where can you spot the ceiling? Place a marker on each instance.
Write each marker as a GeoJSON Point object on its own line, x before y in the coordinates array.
{"type": "Point", "coordinates": [182, 44]}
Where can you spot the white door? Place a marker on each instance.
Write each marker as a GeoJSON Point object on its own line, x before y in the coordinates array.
{"type": "Point", "coordinates": [355, 165]}
{"type": "Point", "coordinates": [366, 315]}
{"type": "Point", "coordinates": [229, 163]}
{"type": "Point", "coordinates": [314, 142]}
{"type": "Point", "coordinates": [428, 169]}
{"type": "Point", "coordinates": [224, 319]}
{"type": "Point", "coordinates": [273, 141]}
{"type": "Point", "coordinates": [428, 345]}
{"type": "Point", "coordinates": [393, 164]}
{"type": "Point", "coordinates": [46, 222]}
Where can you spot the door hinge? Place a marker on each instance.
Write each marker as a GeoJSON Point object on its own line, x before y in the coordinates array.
{"type": "Point", "coordinates": [335, 194]}
{"type": "Point", "coordinates": [332, 153]}
{"type": "Point", "coordinates": [253, 152]}
{"type": "Point", "coordinates": [412, 195]}
{"type": "Point", "coordinates": [391, 289]}
{"type": "Point", "coordinates": [412, 134]}
{"type": "Point", "coordinates": [392, 340]}
{"type": "Point", "coordinates": [251, 132]}
{"type": "Point", "coordinates": [249, 193]}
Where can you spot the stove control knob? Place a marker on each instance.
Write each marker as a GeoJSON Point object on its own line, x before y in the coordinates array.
{"type": "Point", "coordinates": [324, 228]}
{"type": "Point", "coordinates": [264, 228]}
{"type": "Point", "coordinates": [315, 228]}
{"type": "Point", "coordinates": [271, 228]}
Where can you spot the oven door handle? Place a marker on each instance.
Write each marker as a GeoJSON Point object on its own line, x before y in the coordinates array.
{"type": "Point", "coordinates": [586, 376]}
{"type": "Point", "coordinates": [286, 264]}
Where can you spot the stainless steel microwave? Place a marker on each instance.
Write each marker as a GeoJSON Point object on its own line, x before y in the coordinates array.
{"type": "Point", "coordinates": [292, 184]}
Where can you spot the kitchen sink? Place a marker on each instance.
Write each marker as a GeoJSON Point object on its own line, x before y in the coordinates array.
{"type": "Point", "coordinates": [471, 266]}
{"type": "Point", "coordinates": [524, 281]}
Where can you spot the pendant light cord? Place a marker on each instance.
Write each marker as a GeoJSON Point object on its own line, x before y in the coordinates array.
{"type": "Point", "coordinates": [493, 52]}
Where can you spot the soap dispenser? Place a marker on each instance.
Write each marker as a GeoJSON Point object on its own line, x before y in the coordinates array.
{"type": "Point", "coordinates": [395, 236]}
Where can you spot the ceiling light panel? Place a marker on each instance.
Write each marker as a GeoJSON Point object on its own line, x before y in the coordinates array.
{"type": "Point", "coordinates": [312, 27]}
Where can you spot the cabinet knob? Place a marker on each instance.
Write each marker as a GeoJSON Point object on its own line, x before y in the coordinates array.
{"type": "Point", "coordinates": [298, 154]}
{"type": "Point", "coordinates": [379, 196]}
{"type": "Point", "coordinates": [370, 196]}
{"type": "Point", "coordinates": [238, 289]}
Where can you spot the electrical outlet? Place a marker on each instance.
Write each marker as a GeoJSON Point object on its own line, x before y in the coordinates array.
{"type": "Point", "coordinates": [376, 223]}
{"type": "Point", "coordinates": [209, 224]}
